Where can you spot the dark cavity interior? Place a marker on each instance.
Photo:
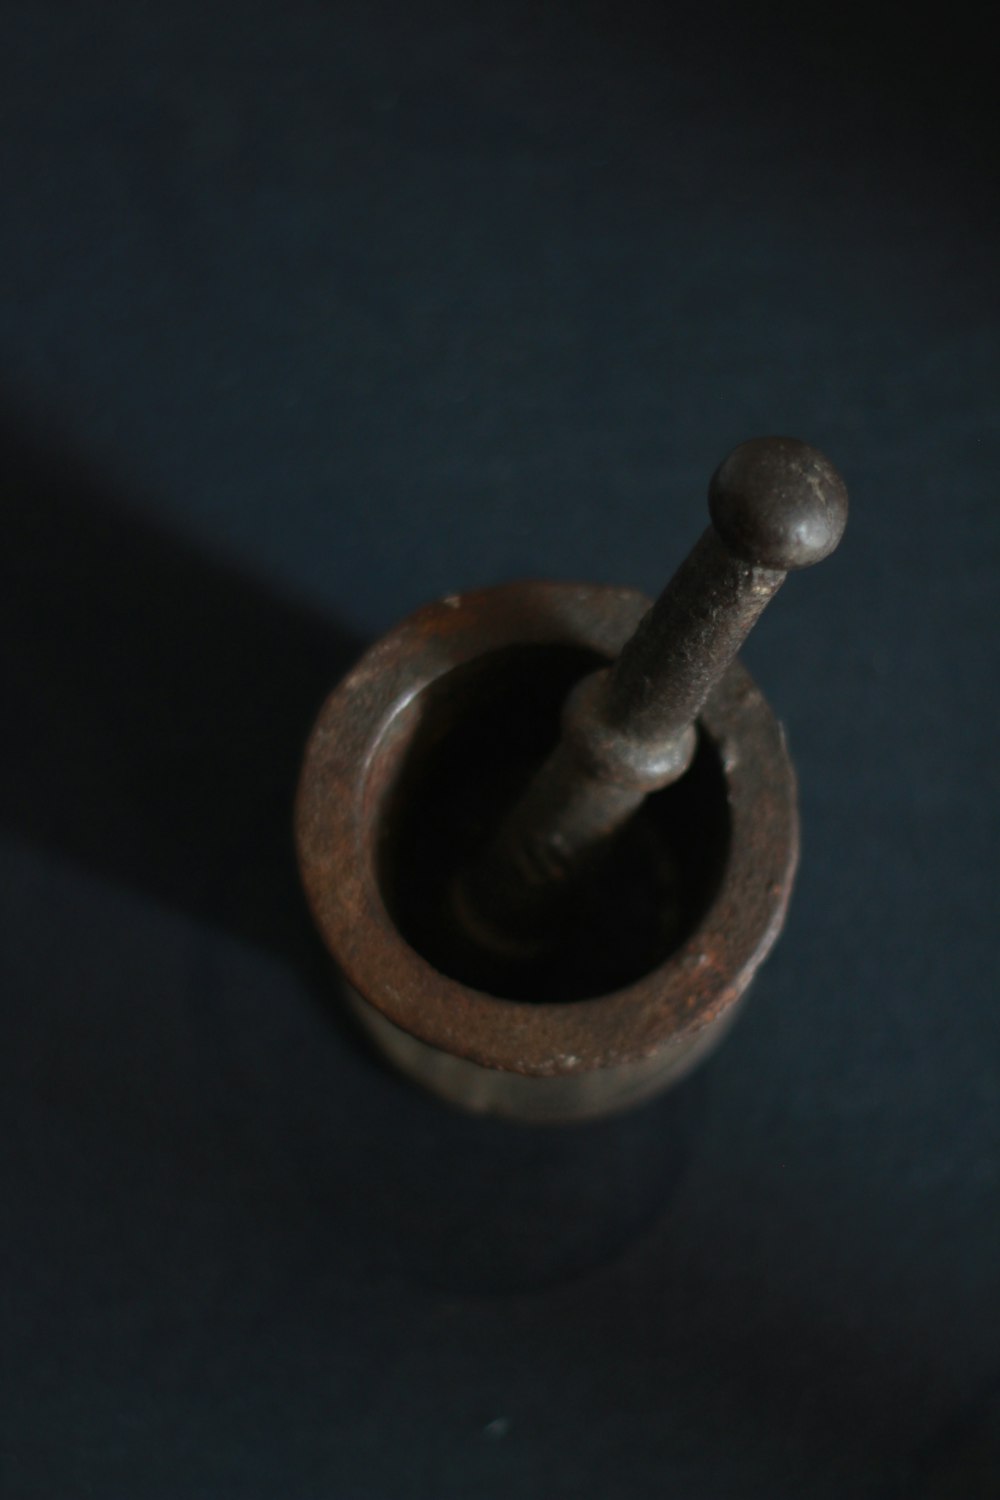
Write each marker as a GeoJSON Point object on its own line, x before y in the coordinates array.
{"type": "Point", "coordinates": [481, 730]}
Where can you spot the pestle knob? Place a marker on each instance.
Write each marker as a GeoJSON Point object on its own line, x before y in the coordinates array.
{"type": "Point", "coordinates": [776, 504]}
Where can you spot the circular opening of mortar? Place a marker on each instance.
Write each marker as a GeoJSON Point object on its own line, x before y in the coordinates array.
{"type": "Point", "coordinates": [471, 742]}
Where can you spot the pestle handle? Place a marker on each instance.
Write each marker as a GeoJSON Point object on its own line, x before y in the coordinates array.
{"type": "Point", "coordinates": [776, 504]}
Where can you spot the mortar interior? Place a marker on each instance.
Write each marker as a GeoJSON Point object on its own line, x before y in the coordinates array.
{"type": "Point", "coordinates": [471, 741]}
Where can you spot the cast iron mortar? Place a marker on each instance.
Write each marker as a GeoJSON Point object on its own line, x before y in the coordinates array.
{"type": "Point", "coordinates": [549, 833]}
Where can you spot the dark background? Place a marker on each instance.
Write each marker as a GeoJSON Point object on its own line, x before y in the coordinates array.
{"type": "Point", "coordinates": [310, 313]}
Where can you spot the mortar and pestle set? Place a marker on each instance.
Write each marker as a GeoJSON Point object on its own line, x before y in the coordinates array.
{"type": "Point", "coordinates": [549, 831]}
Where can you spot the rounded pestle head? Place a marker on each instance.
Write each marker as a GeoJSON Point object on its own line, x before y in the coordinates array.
{"type": "Point", "coordinates": [778, 503]}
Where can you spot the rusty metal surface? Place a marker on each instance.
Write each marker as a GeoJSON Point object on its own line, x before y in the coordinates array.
{"type": "Point", "coordinates": [360, 749]}
{"type": "Point", "coordinates": [530, 1100]}
{"type": "Point", "coordinates": [549, 832]}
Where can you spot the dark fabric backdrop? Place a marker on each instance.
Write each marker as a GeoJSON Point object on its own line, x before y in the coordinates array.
{"type": "Point", "coordinates": [312, 312]}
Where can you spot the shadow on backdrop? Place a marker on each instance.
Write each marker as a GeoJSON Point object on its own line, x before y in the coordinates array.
{"type": "Point", "coordinates": [156, 707]}
{"type": "Point", "coordinates": [156, 703]}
